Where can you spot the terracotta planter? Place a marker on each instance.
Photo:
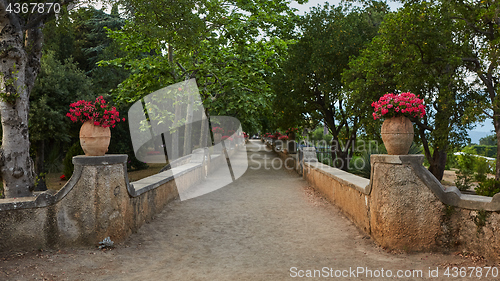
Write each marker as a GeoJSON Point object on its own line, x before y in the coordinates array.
{"type": "Point", "coordinates": [397, 135]}
{"type": "Point", "coordinates": [94, 139]}
{"type": "Point", "coordinates": [217, 138]}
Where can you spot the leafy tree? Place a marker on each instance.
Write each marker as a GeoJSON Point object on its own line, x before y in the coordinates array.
{"type": "Point", "coordinates": [58, 84]}
{"type": "Point", "coordinates": [481, 22]}
{"type": "Point", "coordinates": [310, 83]}
{"type": "Point", "coordinates": [92, 44]}
{"type": "Point", "coordinates": [488, 140]}
{"type": "Point", "coordinates": [220, 43]}
{"type": "Point", "coordinates": [417, 50]}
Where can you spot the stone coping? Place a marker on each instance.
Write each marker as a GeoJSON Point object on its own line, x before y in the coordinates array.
{"type": "Point", "coordinates": [448, 195]}
{"type": "Point", "coordinates": [358, 183]}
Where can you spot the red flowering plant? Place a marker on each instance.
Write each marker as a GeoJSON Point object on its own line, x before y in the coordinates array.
{"type": "Point", "coordinates": [227, 138]}
{"type": "Point", "coordinates": [292, 130]}
{"type": "Point", "coordinates": [217, 130]}
{"type": "Point", "coordinates": [99, 112]}
{"type": "Point", "coordinates": [404, 104]}
{"type": "Point", "coordinates": [275, 136]}
{"type": "Point", "coordinates": [283, 137]}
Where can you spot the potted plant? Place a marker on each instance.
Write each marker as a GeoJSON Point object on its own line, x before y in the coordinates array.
{"type": "Point", "coordinates": [217, 131]}
{"type": "Point", "coordinates": [283, 139]}
{"type": "Point", "coordinates": [397, 129]}
{"type": "Point", "coordinates": [97, 118]}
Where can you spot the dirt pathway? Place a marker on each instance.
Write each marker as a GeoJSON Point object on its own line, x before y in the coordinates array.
{"type": "Point", "coordinates": [267, 225]}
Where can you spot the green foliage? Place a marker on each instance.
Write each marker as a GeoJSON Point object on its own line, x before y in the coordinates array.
{"type": "Point", "coordinates": [488, 187]}
{"type": "Point", "coordinates": [74, 150]}
{"type": "Point", "coordinates": [485, 150]}
{"type": "Point", "coordinates": [490, 140]}
{"type": "Point", "coordinates": [465, 172]}
{"type": "Point", "coordinates": [82, 36]}
{"type": "Point", "coordinates": [309, 85]}
{"type": "Point", "coordinates": [53, 161]}
{"type": "Point", "coordinates": [318, 135]}
{"type": "Point", "coordinates": [361, 165]}
{"type": "Point", "coordinates": [482, 168]}
{"type": "Point", "coordinates": [231, 49]}
{"type": "Point", "coordinates": [121, 143]}
{"type": "Point", "coordinates": [451, 161]}
{"type": "Point", "coordinates": [416, 50]}
{"type": "Point", "coordinates": [480, 219]}
{"type": "Point", "coordinates": [58, 84]}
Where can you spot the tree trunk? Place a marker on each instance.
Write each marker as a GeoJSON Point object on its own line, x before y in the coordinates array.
{"type": "Point", "coordinates": [438, 163]}
{"type": "Point", "coordinates": [188, 126]}
{"type": "Point", "coordinates": [496, 123]}
{"type": "Point", "coordinates": [341, 160]}
{"type": "Point", "coordinates": [20, 53]}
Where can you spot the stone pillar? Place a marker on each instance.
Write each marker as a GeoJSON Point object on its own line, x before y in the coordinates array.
{"type": "Point", "coordinates": [98, 205]}
{"type": "Point", "coordinates": [404, 213]}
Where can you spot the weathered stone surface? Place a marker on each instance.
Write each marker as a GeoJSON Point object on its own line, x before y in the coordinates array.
{"type": "Point", "coordinates": [97, 202]}
{"type": "Point", "coordinates": [342, 190]}
{"type": "Point", "coordinates": [406, 208]}
{"type": "Point", "coordinates": [404, 213]}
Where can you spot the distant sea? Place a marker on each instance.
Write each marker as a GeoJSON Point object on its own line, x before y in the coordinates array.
{"type": "Point", "coordinates": [482, 130]}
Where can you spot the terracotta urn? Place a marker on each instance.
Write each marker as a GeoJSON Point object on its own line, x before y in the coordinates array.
{"type": "Point", "coordinates": [217, 138]}
{"type": "Point", "coordinates": [397, 135]}
{"type": "Point", "coordinates": [94, 139]}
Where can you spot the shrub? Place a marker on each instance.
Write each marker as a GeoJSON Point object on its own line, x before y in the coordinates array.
{"type": "Point", "coordinates": [74, 150]}
{"type": "Point", "coordinates": [465, 171]}
{"type": "Point", "coordinates": [482, 168]}
{"type": "Point", "coordinates": [488, 187]}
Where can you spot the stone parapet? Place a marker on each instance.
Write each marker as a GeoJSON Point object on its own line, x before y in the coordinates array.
{"type": "Point", "coordinates": [98, 201]}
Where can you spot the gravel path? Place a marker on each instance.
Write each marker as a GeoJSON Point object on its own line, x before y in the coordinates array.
{"type": "Point", "coordinates": [267, 225]}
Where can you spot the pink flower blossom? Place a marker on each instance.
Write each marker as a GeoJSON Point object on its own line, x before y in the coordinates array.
{"type": "Point", "coordinates": [405, 104]}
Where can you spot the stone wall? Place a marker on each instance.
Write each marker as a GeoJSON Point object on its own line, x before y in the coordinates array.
{"type": "Point", "coordinates": [404, 207]}
{"type": "Point", "coordinates": [98, 201]}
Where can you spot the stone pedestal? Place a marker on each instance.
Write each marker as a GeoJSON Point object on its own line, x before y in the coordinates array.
{"type": "Point", "coordinates": [404, 213]}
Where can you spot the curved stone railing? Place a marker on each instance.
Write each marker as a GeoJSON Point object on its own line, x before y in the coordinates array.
{"type": "Point", "coordinates": [403, 206]}
{"type": "Point", "coordinates": [98, 201]}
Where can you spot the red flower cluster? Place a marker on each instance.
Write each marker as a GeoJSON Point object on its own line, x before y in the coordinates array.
{"type": "Point", "coordinates": [404, 104]}
{"type": "Point", "coordinates": [217, 130]}
{"type": "Point", "coordinates": [283, 137]}
{"type": "Point", "coordinates": [275, 136]}
{"type": "Point", "coordinates": [227, 138]}
{"type": "Point", "coordinates": [99, 112]}
{"type": "Point", "coordinates": [292, 130]}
